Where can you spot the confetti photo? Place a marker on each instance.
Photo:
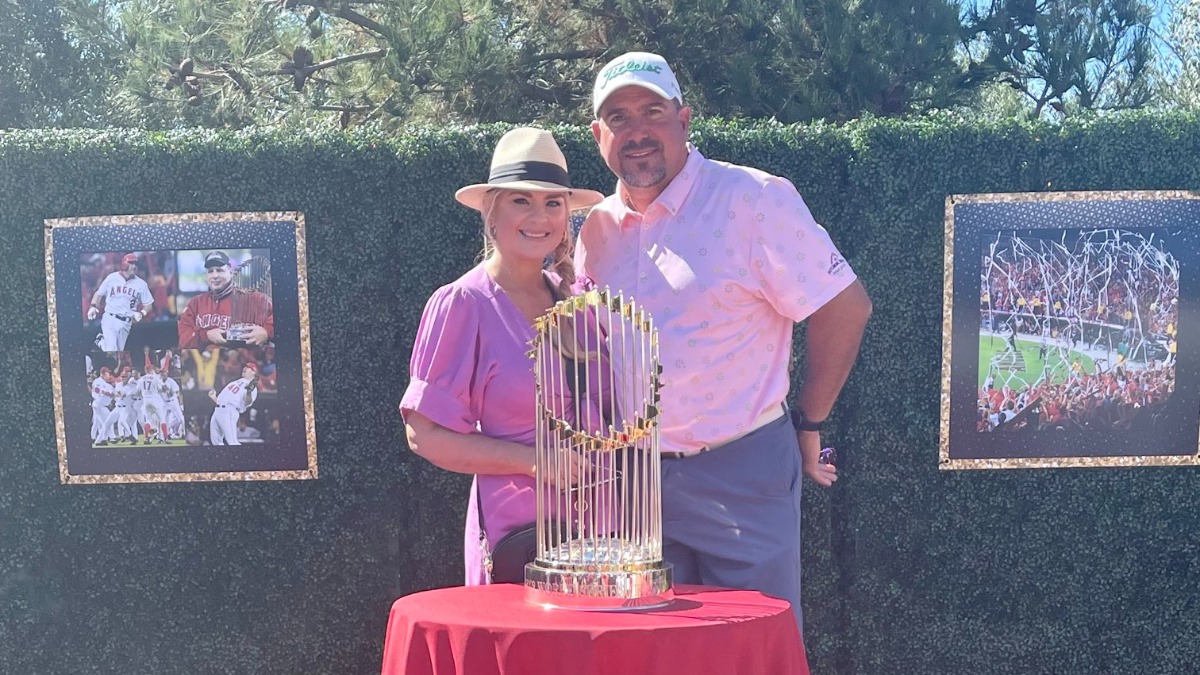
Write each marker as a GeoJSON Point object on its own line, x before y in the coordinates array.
{"type": "Point", "coordinates": [1068, 339]}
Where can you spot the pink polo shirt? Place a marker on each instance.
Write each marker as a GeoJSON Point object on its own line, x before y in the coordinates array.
{"type": "Point", "coordinates": [726, 260]}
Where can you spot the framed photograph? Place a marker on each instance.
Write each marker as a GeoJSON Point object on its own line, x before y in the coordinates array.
{"type": "Point", "coordinates": [1070, 334]}
{"type": "Point", "coordinates": [179, 347]}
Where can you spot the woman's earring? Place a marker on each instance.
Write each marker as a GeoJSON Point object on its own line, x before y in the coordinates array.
{"type": "Point", "coordinates": [492, 231]}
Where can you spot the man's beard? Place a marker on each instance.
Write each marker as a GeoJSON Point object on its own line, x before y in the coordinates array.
{"type": "Point", "coordinates": [639, 173]}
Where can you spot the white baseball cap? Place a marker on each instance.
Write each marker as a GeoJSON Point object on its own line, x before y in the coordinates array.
{"type": "Point", "coordinates": [640, 69]}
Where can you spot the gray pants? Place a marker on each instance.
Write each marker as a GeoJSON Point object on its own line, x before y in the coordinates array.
{"type": "Point", "coordinates": [731, 516]}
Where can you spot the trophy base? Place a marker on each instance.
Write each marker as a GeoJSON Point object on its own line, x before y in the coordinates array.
{"type": "Point", "coordinates": [235, 336]}
{"type": "Point", "coordinates": [598, 591]}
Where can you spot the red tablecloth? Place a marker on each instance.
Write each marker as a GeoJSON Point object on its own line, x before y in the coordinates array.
{"type": "Point", "coordinates": [491, 630]}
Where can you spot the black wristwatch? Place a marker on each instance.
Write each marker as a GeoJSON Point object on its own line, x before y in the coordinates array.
{"type": "Point", "coordinates": [801, 423]}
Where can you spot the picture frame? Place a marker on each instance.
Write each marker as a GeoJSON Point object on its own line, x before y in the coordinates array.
{"type": "Point", "coordinates": [1070, 332]}
{"type": "Point", "coordinates": [179, 347]}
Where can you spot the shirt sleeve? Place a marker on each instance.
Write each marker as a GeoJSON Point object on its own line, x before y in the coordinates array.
{"type": "Point", "coordinates": [444, 358]}
{"type": "Point", "coordinates": [798, 266]}
{"type": "Point", "coordinates": [189, 335]}
{"type": "Point", "coordinates": [104, 286]}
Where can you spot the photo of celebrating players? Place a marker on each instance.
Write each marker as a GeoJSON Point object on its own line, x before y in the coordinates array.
{"type": "Point", "coordinates": [186, 346]}
{"type": "Point", "coordinates": [1067, 335]}
{"type": "Point", "coordinates": [1076, 332]}
{"type": "Point", "coordinates": [146, 405]}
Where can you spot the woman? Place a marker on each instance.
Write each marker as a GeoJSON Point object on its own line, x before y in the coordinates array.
{"type": "Point", "coordinates": [469, 406]}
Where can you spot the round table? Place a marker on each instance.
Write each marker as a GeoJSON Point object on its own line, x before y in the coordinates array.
{"type": "Point", "coordinates": [491, 630]}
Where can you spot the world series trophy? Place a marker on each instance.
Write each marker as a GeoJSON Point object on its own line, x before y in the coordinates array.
{"type": "Point", "coordinates": [599, 527]}
{"type": "Point", "coordinates": [252, 275]}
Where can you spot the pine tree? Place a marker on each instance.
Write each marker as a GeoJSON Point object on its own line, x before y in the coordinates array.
{"type": "Point", "coordinates": [1065, 55]}
{"type": "Point", "coordinates": [1181, 76]}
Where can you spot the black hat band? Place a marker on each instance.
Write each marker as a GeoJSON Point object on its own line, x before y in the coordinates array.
{"type": "Point", "coordinates": [545, 172]}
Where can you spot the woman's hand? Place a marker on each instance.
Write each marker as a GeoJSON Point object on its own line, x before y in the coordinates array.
{"type": "Point", "coordinates": [566, 468]}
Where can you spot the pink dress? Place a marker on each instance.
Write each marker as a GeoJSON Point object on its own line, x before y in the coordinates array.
{"type": "Point", "coordinates": [471, 373]}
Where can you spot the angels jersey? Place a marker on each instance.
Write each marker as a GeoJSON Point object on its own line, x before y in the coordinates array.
{"type": "Point", "coordinates": [122, 296]}
{"type": "Point", "coordinates": [234, 395]}
{"type": "Point", "coordinates": [151, 387]}
{"type": "Point", "coordinates": [102, 391]}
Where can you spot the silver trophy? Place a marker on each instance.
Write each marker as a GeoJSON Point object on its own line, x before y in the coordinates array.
{"type": "Point", "coordinates": [599, 507]}
{"type": "Point", "coordinates": [254, 274]}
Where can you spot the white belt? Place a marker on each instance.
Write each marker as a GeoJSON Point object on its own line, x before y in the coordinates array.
{"type": "Point", "coordinates": [769, 415]}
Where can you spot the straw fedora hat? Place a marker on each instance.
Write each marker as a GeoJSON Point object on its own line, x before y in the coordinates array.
{"type": "Point", "coordinates": [528, 159]}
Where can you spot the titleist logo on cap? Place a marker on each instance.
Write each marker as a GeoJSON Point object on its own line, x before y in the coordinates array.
{"type": "Point", "coordinates": [629, 67]}
{"type": "Point", "coordinates": [640, 69]}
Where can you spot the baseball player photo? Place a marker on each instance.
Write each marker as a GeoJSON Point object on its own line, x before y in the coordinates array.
{"type": "Point", "coordinates": [229, 314]}
{"type": "Point", "coordinates": [158, 411]}
{"type": "Point", "coordinates": [121, 422]}
{"type": "Point", "coordinates": [102, 397]}
{"type": "Point", "coordinates": [122, 299]}
{"type": "Point", "coordinates": [234, 399]}
{"type": "Point", "coordinates": [173, 408]}
{"type": "Point", "coordinates": [154, 407]}
{"type": "Point", "coordinates": [194, 337]}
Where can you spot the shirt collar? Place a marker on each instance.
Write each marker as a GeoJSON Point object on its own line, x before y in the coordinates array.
{"type": "Point", "coordinates": [673, 197]}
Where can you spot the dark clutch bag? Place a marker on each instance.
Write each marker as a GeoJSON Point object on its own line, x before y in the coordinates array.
{"type": "Point", "coordinates": [513, 551]}
{"type": "Point", "coordinates": [510, 554]}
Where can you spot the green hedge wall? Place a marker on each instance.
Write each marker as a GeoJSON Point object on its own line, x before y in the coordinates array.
{"type": "Point", "coordinates": [908, 568]}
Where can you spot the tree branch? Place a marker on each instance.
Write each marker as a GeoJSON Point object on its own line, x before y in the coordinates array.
{"type": "Point", "coordinates": [340, 9]}
{"type": "Point", "coordinates": [344, 108]}
{"type": "Point", "coordinates": [564, 56]}
{"type": "Point", "coordinates": [289, 68]}
{"type": "Point", "coordinates": [339, 60]}
{"type": "Point", "coordinates": [354, 17]}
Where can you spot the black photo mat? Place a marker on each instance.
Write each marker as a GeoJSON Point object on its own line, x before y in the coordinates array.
{"type": "Point", "coordinates": [1070, 330]}
{"type": "Point", "coordinates": [288, 453]}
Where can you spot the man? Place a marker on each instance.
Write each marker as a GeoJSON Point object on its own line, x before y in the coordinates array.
{"type": "Point", "coordinates": [136, 415]}
{"type": "Point", "coordinates": [172, 410]}
{"type": "Point", "coordinates": [120, 424]}
{"type": "Point", "coordinates": [726, 259]}
{"type": "Point", "coordinates": [233, 400]}
{"type": "Point", "coordinates": [126, 299]}
{"type": "Point", "coordinates": [154, 406]}
{"type": "Point", "coordinates": [209, 316]}
{"type": "Point", "coordinates": [205, 362]}
{"type": "Point", "coordinates": [1010, 338]}
{"type": "Point", "coordinates": [102, 397]}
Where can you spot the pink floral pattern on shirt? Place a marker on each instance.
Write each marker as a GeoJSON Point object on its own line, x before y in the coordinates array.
{"type": "Point", "coordinates": [726, 260]}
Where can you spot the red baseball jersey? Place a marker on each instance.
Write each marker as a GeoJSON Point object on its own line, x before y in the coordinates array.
{"type": "Point", "coordinates": [204, 313]}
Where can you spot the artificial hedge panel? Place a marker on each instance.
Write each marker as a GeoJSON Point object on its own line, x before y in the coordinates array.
{"type": "Point", "coordinates": [906, 567]}
{"type": "Point", "coordinates": [1012, 571]}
